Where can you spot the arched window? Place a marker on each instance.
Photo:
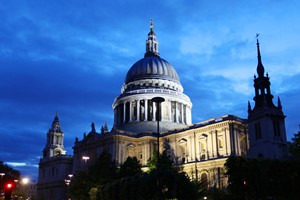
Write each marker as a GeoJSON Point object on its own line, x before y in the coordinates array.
{"type": "Point", "coordinates": [204, 180]}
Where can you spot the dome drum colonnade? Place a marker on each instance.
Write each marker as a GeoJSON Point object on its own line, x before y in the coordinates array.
{"type": "Point", "coordinates": [150, 77]}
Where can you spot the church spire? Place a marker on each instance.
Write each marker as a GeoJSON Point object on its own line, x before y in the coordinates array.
{"type": "Point", "coordinates": [260, 67]}
{"type": "Point", "coordinates": [56, 123]}
{"type": "Point", "coordinates": [55, 137]}
{"type": "Point", "coordinates": [151, 42]}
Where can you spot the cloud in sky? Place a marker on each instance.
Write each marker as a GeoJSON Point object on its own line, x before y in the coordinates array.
{"type": "Point", "coordinates": [71, 57]}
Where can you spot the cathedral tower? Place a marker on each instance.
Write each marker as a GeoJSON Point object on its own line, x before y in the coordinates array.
{"type": "Point", "coordinates": [267, 135]}
{"type": "Point", "coordinates": [54, 166]}
{"type": "Point", "coordinates": [55, 138]}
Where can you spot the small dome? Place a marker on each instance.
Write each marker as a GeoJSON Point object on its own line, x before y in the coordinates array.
{"type": "Point", "coordinates": [152, 67]}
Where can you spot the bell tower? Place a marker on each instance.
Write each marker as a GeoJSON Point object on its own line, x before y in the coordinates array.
{"type": "Point", "coordinates": [55, 138]}
{"type": "Point", "coordinates": [266, 122]}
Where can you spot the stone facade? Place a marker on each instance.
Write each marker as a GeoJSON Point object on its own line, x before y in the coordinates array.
{"type": "Point", "coordinates": [200, 149]}
{"type": "Point", "coordinates": [54, 166]}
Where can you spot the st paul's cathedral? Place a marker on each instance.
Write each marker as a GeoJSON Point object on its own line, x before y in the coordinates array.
{"type": "Point", "coordinates": [153, 112]}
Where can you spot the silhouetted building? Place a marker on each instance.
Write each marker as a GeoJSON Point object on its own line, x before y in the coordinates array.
{"type": "Point", "coordinates": [266, 125]}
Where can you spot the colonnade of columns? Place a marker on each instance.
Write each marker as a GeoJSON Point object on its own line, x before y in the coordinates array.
{"type": "Point", "coordinates": [145, 110]}
{"type": "Point", "coordinates": [212, 144]}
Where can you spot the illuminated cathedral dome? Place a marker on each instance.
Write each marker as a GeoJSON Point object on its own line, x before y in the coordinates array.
{"type": "Point", "coordinates": [151, 77]}
{"type": "Point", "coordinates": [152, 67]}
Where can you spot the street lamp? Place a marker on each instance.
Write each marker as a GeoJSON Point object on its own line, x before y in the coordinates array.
{"type": "Point", "coordinates": [1, 174]}
{"type": "Point", "coordinates": [85, 158]}
{"type": "Point", "coordinates": [25, 182]}
{"type": "Point", "coordinates": [68, 182]}
{"type": "Point", "coordinates": [158, 101]}
{"type": "Point", "coordinates": [70, 175]}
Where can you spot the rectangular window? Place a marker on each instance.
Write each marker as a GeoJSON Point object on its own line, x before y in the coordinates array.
{"type": "Point", "coordinates": [142, 110]}
{"type": "Point", "coordinates": [150, 110]}
{"type": "Point", "coordinates": [166, 111]}
{"type": "Point", "coordinates": [127, 107]}
{"type": "Point", "coordinates": [257, 131]}
{"type": "Point", "coordinates": [179, 120]}
{"type": "Point", "coordinates": [276, 128]}
{"type": "Point", "coordinates": [134, 111]}
{"type": "Point", "coordinates": [173, 111]}
{"type": "Point", "coordinates": [121, 117]}
{"type": "Point", "coordinates": [184, 114]}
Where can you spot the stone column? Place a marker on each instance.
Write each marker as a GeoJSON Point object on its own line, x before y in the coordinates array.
{"type": "Point", "coordinates": [146, 109]}
{"type": "Point", "coordinates": [154, 111]}
{"type": "Point", "coordinates": [176, 112]}
{"type": "Point", "coordinates": [137, 110]}
{"type": "Point", "coordinates": [170, 111]}
{"type": "Point", "coordinates": [162, 109]}
{"type": "Point", "coordinates": [124, 112]}
{"type": "Point", "coordinates": [130, 111]}
{"type": "Point", "coordinates": [182, 115]}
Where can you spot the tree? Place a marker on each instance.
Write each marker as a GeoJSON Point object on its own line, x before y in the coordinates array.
{"type": "Point", "coordinates": [173, 183]}
{"type": "Point", "coordinates": [260, 179]}
{"type": "Point", "coordinates": [130, 167]}
{"type": "Point", "coordinates": [85, 184]}
{"type": "Point", "coordinates": [9, 175]}
{"type": "Point", "coordinates": [295, 146]}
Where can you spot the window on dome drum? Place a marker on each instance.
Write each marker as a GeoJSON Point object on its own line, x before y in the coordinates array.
{"type": "Point", "coordinates": [184, 114]}
{"type": "Point", "coordinates": [179, 113]}
{"type": "Point", "coordinates": [142, 110]}
{"type": "Point", "coordinates": [166, 110]}
{"type": "Point", "coordinates": [134, 111]}
{"type": "Point", "coordinates": [120, 111]}
{"type": "Point", "coordinates": [173, 111]}
{"type": "Point", "coordinates": [276, 127]}
{"type": "Point", "coordinates": [150, 110]}
{"type": "Point", "coordinates": [127, 114]}
{"type": "Point", "coordinates": [257, 131]}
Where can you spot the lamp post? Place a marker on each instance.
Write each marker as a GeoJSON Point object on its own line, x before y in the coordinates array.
{"type": "Point", "coordinates": [1, 185]}
{"type": "Point", "coordinates": [68, 182]}
{"type": "Point", "coordinates": [85, 158]}
{"type": "Point", "coordinates": [158, 101]}
{"type": "Point", "coordinates": [25, 181]}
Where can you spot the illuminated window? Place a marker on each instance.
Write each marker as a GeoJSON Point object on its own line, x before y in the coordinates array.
{"type": "Point", "coordinates": [220, 143]}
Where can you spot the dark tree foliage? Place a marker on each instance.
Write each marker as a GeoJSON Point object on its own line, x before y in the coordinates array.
{"type": "Point", "coordinates": [295, 146]}
{"type": "Point", "coordinates": [85, 183]}
{"type": "Point", "coordinates": [173, 182]}
{"type": "Point", "coordinates": [10, 176]}
{"type": "Point", "coordinates": [9, 172]}
{"type": "Point", "coordinates": [130, 167]}
{"type": "Point", "coordinates": [262, 179]}
{"type": "Point", "coordinates": [104, 182]}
